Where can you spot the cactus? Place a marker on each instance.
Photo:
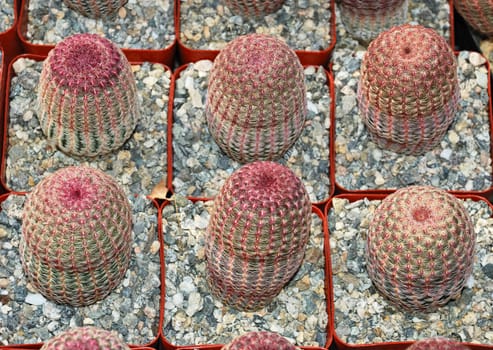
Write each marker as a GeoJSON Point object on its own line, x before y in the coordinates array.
{"type": "Point", "coordinates": [76, 235]}
{"type": "Point", "coordinates": [87, 96]}
{"type": "Point", "coordinates": [253, 8]}
{"type": "Point", "coordinates": [85, 338]}
{"type": "Point", "coordinates": [259, 340]}
{"type": "Point", "coordinates": [256, 98]}
{"type": "Point", "coordinates": [478, 14]}
{"type": "Point", "coordinates": [365, 19]}
{"type": "Point", "coordinates": [420, 247]}
{"type": "Point", "coordinates": [437, 343]}
{"type": "Point", "coordinates": [96, 9]}
{"type": "Point", "coordinates": [408, 90]}
{"type": "Point", "coordinates": [257, 234]}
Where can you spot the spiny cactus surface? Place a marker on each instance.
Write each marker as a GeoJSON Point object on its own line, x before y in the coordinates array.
{"type": "Point", "coordinates": [76, 235]}
{"type": "Point", "coordinates": [408, 90]}
{"type": "Point", "coordinates": [437, 343]}
{"type": "Point", "coordinates": [256, 98]}
{"type": "Point", "coordinates": [257, 234]}
{"type": "Point", "coordinates": [365, 19]}
{"type": "Point", "coordinates": [85, 338]}
{"type": "Point", "coordinates": [260, 340]}
{"type": "Point", "coordinates": [87, 96]}
{"type": "Point", "coordinates": [97, 9]}
{"type": "Point", "coordinates": [420, 247]}
{"type": "Point", "coordinates": [478, 13]}
{"type": "Point", "coordinates": [253, 8]}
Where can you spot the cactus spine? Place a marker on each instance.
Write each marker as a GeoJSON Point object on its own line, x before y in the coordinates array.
{"type": "Point", "coordinates": [420, 247]}
{"type": "Point", "coordinates": [256, 98]}
{"type": "Point", "coordinates": [87, 96]}
{"type": "Point", "coordinates": [257, 234]}
{"type": "Point", "coordinates": [85, 338]}
{"type": "Point", "coordinates": [76, 235]}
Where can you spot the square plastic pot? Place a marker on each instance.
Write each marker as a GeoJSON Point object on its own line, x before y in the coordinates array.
{"type": "Point", "coordinates": [162, 51]}
{"type": "Point", "coordinates": [139, 165]}
{"type": "Point", "coordinates": [200, 167]}
{"type": "Point", "coordinates": [372, 316]}
{"type": "Point", "coordinates": [193, 317]}
{"type": "Point", "coordinates": [190, 52]}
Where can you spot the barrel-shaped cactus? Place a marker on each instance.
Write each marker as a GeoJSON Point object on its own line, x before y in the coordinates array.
{"type": "Point", "coordinates": [478, 13]}
{"type": "Point", "coordinates": [437, 343]}
{"type": "Point", "coordinates": [257, 234]}
{"type": "Point", "coordinates": [408, 90]}
{"type": "Point", "coordinates": [87, 96]}
{"type": "Point", "coordinates": [260, 340]}
{"type": "Point", "coordinates": [76, 235]}
{"type": "Point", "coordinates": [256, 98]}
{"type": "Point", "coordinates": [97, 9]}
{"type": "Point", "coordinates": [365, 19]}
{"type": "Point", "coordinates": [85, 338]}
{"type": "Point", "coordinates": [420, 247]}
{"type": "Point", "coordinates": [253, 8]}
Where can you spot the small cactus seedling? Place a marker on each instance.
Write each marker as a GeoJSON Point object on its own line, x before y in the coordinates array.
{"type": "Point", "coordinates": [76, 235]}
{"type": "Point", "coordinates": [260, 340]}
{"type": "Point", "coordinates": [408, 90]}
{"type": "Point", "coordinates": [253, 8]}
{"type": "Point", "coordinates": [478, 14]}
{"type": "Point", "coordinates": [87, 96]}
{"type": "Point", "coordinates": [256, 98]}
{"type": "Point", "coordinates": [420, 247]}
{"type": "Point", "coordinates": [365, 19]}
{"type": "Point", "coordinates": [257, 234]}
{"type": "Point", "coordinates": [437, 343]}
{"type": "Point", "coordinates": [97, 9]}
{"type": "Point", "coordinates": [85, 338]}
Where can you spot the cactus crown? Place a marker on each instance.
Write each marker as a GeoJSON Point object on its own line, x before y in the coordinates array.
{"type": "Point", "coordinates": [87, 96]}
{"type": "Point", "coordinates": [85, 338]}
{"type": "Point", "coordinates": [420, 247]}
{"type": "Point", "coordinates": [257, 234]}
{"type": "Point", "coordinates": [104, 9]}
{"type": "Point", "coordinates": [256, 98]}
{"type": "Point", "coordinates": [76, 235]}
{"type": "Point", "coordinates": [253, 8]}
{"type": "Point", "coordinates": [437, 343]}
{"type": "Point", "coordinates": [260, 340]}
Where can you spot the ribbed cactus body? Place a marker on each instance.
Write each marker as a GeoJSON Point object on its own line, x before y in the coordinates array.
{"type": "Point", "coordinates": [253, 8]}
{"type": "Point", "coordinates": [420, 247]}
{"type": "Point", "coordinates": [365, 19]}
{"type": "Point", "coordinates": [437, 343]}
{"type": "Point", "coordinates": [260, 340]}
{"type": "Point", "coordinates": [478, 13]}
{"type": "Point", "coordinates": [85, 338]}
{"type": "Point", "coordinates": [256, 98]}
{"type": "Point", "coordinates": [257, 234]}
{"type": "Point", "coordinates": [408, 90]}
{"type": "Point", "coordinates": [76, 235]}
{"type": "Point", "coordinates": [97, 9]}
{"type": "Point", "coordinates": [87, 96]}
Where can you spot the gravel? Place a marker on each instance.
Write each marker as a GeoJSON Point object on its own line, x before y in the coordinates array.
{"type": "Point", "coordinates": [138, 165]}
{"type": "Point", "coordinates": [140, 24]}
{"type": "Point", "coordinates": [6, 15]}
{"type": "Point", "coordinates": [131, 310]}
{"type": "Point", "coordinates": [362, 315]}
{"type": "Point", "coordinates": [200, 167]}
{"type": "Point", "coordinates": [193, 316]}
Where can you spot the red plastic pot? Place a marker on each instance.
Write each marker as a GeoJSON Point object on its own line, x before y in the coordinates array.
{"type": "Point", "coordinates": [188, 54]}
{"type": "Point", "coordinates": [163, 55]}
{"type": "Point", "coordinates": [339, 342]}
{"type": "Point", "coordinates": [204, 197]}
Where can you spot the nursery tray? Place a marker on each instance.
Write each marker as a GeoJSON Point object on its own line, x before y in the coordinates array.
{"type": "Point", "coordinates": [193, 317]}
{"type": "Point", "coordinates": [27, 318]}
{"type": "Point", "coordinates": [137, 166]}
{"type": "Point", "coordinates": [378, 324]}
{"type": "Point", "coordinates": [199, 166]}
{"type": "Point", "coordinates": [190, 52]}
{"type": "Point", "coordinates": [163, 49]}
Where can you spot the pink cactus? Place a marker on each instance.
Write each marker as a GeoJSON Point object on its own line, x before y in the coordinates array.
{"type": "Point", "coordinates": [253, 8]}
{"type": "Point", "coordinates": [97, 9]}
{"type": "Point", "coordinates": [437, 343]}
{"type": "Point", "coordinates": [85, 338]}
{"type": "Point", "coordinates": [478, 13]}
{"type": "Point", "coordinates": [260, 340]}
